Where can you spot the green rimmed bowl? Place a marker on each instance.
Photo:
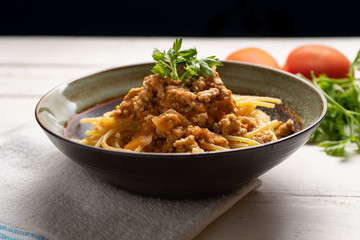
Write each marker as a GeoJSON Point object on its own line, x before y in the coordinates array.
{"type": "Point", "coordinates": [178, 175]}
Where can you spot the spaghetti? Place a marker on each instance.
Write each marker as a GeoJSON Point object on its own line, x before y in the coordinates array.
{"type": "Point", "coordinates": [165, 116]}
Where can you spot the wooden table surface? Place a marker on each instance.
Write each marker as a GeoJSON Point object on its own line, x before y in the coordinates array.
{"type": "Point", "coordinates": [308, 196]}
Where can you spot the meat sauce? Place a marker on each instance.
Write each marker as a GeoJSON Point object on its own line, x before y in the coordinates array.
{"type": "Point", "coordinates": [190, 117]}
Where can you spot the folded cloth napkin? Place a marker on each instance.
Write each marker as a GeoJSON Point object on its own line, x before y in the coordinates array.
{"type": "Point", "coordinates": [44, 195]}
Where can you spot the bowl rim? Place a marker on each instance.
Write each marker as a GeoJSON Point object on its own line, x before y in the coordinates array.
{"type": "Point", "coordinates": [166, 155]}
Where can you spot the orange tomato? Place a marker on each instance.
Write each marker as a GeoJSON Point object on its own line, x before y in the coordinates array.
{"type": "Point", "coordinates": [317, 58]}
{"type": "Point", "coordinates": [253, 55]}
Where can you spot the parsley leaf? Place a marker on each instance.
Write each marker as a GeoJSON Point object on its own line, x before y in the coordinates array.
{"type": "Point", "coordinates": [170, 63]}
{"type": "Point", "coordinates": [335, 148]}
{"type": "Point", "coordinates": [341, 125]}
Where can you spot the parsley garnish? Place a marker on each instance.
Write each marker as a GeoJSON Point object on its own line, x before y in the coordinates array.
{"type": "Point", "coordinates": [341, 124]}
{"type": "Point", "coordinates": [168, 63]}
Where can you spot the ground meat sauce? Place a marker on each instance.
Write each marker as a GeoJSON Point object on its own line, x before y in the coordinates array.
{"type": "Point", "coordinates": [189, 118]}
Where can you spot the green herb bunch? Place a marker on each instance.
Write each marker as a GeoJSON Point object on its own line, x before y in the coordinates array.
{"type": "Point", "coordinates": [341, 124]}
{"type": "Point", "coordinates": [169, 63]}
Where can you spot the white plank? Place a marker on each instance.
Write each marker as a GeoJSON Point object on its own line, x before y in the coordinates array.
{"type": "Point", "coordinates": [310, 172]}
{"type": "Point", "coordinates": [112, 51]}
{"type": "Point", "coordinates": [262, 216]}
{"type": "Point", "coordinates": [33, 65]}
{"type": "Point", "coordinates": [72, 51]}
{"type": "Point", "coordinates": [30, 80]}
{"type": "Point", "coordinates": [16, 112]}
{"type": "Point", "coordinates": [301, 198]}
{"type": "Point", "coordinates": [308, 196]}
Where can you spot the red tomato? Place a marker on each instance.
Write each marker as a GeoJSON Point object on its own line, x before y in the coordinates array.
{"type": "Point", "coordinates": [317, 58]}
{"type": "Point", "coordinates": [254, 55]}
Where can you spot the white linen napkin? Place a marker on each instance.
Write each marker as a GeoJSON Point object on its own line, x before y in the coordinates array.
{"type": "Point", "coordinates": [44, 195]}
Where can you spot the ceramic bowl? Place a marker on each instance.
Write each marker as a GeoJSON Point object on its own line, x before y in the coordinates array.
{"type": "Point", "coordinates": [176, 175]}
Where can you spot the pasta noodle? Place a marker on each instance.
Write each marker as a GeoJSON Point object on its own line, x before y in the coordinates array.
{"type": "Point", "coordinates": [165, 116]}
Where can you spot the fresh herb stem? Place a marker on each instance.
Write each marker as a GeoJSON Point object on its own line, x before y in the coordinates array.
{"type": "Point", "coordinates": [343, 96]}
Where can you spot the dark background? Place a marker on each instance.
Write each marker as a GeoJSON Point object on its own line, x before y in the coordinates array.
{"type": "Point", "coordinates": [251, 18]}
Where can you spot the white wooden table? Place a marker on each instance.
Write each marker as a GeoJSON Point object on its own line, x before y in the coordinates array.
{"type": "Point", "coordinates": [309, 196]}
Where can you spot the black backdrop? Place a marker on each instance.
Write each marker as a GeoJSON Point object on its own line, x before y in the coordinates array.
{"type": "Point", "coordinates": [249, 18]}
